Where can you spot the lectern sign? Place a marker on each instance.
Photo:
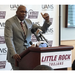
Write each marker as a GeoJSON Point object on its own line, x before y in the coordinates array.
{"type": "Point", "coordinates": [56, 59]}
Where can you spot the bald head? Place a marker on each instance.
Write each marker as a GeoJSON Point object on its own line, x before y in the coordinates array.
{"type": "Point", "coordinates": [21, 12]}
{"type": "Point", "coordinates": [20, 7]}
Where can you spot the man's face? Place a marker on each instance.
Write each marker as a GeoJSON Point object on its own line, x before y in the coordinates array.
{"type": "Point", "coordinates": [21, 13]}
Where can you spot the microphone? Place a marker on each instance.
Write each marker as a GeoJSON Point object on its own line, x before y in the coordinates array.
{"type": "Point", "coordinates": [40, 37]}
{"type": "Point", "coordinates": [39, 33]}
{"type": "Point", "coordinates": [33, 31]}
{"type": "Point", "coordinates": [30, 42]}
{"type": "Point", "coordinates": [25, 43]}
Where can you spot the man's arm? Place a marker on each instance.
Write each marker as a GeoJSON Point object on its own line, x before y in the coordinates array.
{"type": "Point", "coordinates": [46, 24]}
{"type": "Point", "coordinates": [8, 34]}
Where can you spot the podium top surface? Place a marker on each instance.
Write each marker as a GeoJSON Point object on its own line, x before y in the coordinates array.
{"type": "Point", "coordinates": [48, 49]}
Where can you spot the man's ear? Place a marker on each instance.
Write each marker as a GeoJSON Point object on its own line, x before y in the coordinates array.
{"type": "Point", "coordinates": [16, 12]}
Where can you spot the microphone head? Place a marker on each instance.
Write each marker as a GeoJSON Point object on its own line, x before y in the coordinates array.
{"type": "Point", "coordinates": [30, 42]}
{"type": "Point", "coordinates": [25, 41]}
{"type": "Point", "coordinates": [33, 30]}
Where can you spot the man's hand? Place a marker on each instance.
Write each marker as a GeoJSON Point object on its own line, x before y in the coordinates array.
{"type": "Point", "coordinates": [33, 45]}
{"type": "Point", "coordinates": [17, 57]}
{"type": "Point", "coordinates": [45, 16]}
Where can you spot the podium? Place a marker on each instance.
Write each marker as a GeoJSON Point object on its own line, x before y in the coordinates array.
{"type": "Point", "coordinates": [32, 56]}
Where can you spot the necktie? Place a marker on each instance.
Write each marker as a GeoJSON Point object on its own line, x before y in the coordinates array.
{"type": "Point", "coordinates": [23, 28]}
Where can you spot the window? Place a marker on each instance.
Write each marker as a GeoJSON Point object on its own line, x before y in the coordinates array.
{"type": "Point", "coordinates": [70, 16]}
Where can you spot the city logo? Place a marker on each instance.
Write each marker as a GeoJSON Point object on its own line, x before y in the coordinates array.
{"type": "Point", "coordinates": [47, 7]}
{"type": "Point", "coordinates": [49, 31]}
{"type": "Point", "coordinates": [33, 38]}
{"type": "Point", "coordinates": [3, 51]}
{"type": "Point", "coordinates": [37, 23]}
{"type": "Point", "coordinates": [50, 42]}
{"type": "Point", "coordinates": [32, 14]}
{"type": "Point", "coordinates": [2, 64]}
{"type": "Point", "coordinates": [14, 7]}
{"type": "Point", "coordinates": [2, 25]}
{"type": "Point", "coordinates": [2, 14]}
{"type": "Point", "coordinates": [51, 20]}
{"type": "Point", "coordinates": [2, 40]}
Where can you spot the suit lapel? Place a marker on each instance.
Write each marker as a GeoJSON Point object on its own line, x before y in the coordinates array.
{"type": "Point", "coordinates": [18, 25]}
{"type": "Point", "coordinates": [28, 24]}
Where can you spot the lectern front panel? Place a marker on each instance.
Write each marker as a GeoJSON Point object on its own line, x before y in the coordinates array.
{"type": "Point", "coordinates": [30, 61]}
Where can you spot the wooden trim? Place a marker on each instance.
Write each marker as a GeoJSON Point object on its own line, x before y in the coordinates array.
{"type": "Point", "coordinates": [51, 49]}
{"type": "Point", "coordinates": [67, 40]}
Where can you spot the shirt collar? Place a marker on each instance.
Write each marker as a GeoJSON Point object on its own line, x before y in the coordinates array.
{"type": "Point", "coordinates": [19, 20]}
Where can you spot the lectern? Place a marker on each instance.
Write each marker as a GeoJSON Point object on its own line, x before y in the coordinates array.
{"type": "Point", "coordinates": [32, 56]}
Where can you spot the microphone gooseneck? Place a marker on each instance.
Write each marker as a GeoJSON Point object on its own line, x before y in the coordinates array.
{"type": "Point", "coordinates": [38, 34]}
{"type": "Point", "coordinates": [33, 31]}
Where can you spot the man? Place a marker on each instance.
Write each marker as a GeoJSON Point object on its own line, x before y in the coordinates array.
{"type": "Point", "coordinates": [17, 31]}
